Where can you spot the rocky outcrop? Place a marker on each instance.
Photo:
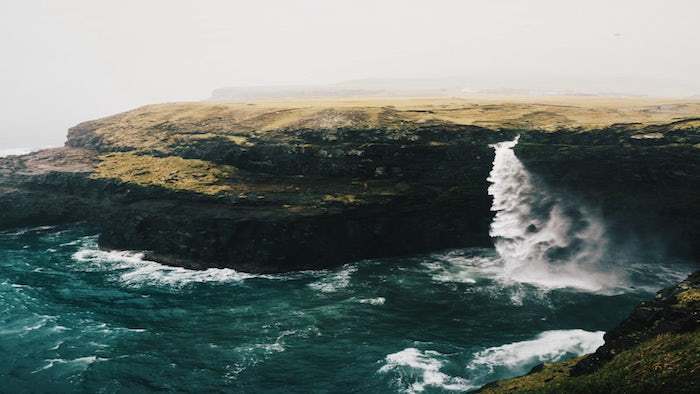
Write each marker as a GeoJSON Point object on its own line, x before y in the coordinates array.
{"type": "Point", "coordinates": [655, 350]}
{"type": "Point", "coordinates": [273, 187]}
{"type": "Point", "coordinates": [675, 310]}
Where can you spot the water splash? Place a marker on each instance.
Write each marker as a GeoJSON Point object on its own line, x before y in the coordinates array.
{"type": "Point", "coordinates": [134, 270]}
{"type": "Point", "coordinates": [543, 238]}
{"type": "Point", "coordinates": [417, 370]}
{"type": "Point", "coordinates": [518, 358]}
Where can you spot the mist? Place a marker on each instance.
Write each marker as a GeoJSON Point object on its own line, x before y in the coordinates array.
{"type": "Point", "coordinates": [69, 61]}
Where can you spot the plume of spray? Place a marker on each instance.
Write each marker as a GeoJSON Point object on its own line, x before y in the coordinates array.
{"type": "Point", "coordinates": [543, 238]}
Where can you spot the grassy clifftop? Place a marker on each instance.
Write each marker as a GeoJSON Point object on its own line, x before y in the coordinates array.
{"type": "Point", "coordinates": [158, 127]}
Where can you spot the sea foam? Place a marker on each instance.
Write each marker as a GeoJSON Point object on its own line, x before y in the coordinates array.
{"type": "Point", "coordinates": [134, 270]}
{"type": "Point", "coordinates": [418, 370]}
{"type": "Point", "coordinates": [519, 357]}
{"type": "Point", "coordinates": [335, 281]}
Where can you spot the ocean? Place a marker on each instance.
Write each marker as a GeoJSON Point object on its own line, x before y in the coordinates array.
{"type": "Point", "coordinates": [74, 318]}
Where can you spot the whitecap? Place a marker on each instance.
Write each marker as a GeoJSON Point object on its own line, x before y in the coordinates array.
{"type": "Point", "coordinates": [26, 230]}
{"type": "Point", "coordinates": [81, 363]}
{"type": "Point", "coordinates": [24, 326]}
{"type": "Point", "coordinates": [372, 301]}
{"type": "Point", "coordinates": [519, 357]}
{"type": "Point", "coordinates": [416, 370]}
{"type": "Point", "coordinates": [461, 269]}
{"type": "Point", "coordinates": [335, 281]}
{"type": "Point", "coordinates": [134, 270]}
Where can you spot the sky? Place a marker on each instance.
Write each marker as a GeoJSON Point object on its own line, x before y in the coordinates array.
{"type": "Point", "coordinates": [68, 61]}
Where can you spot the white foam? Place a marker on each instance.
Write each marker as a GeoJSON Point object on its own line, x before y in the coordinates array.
{"type": "Point", "coordinates": [335, 281]}
{"type": "Point", "coordinates": [420, 369]}
{"type": "Point", "coordinates": [542, 239]}
{"type": "Point", "coordinates": [25, 326]}
{"type": "Point", "coordinates": [519, 357]}
{"type": "Point", "coordinates": [373, 301]}
{"type": "Point", "coordinates": [462, 269]}
{"type": "Point", "coordinates": [135, 270]}
{"type": "Point", "coordinates": [27, 230]}
{"type": "Point", "coordinates": [81, 363]}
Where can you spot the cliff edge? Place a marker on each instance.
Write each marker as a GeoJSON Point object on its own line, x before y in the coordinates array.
{"type": "Point", "coordinates": [280, 186]}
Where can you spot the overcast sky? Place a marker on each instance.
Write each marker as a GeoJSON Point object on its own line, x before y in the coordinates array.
{"type": "Point", "coordinates": [72, 60]}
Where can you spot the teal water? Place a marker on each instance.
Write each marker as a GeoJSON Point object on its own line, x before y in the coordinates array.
{"type": "Point", "coordinates": [77, 319]}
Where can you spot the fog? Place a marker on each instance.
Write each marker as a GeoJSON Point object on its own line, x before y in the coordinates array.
{"type": "Point", "coordinates": [72, 60]}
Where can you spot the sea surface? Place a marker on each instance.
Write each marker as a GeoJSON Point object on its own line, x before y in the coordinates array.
{"type": "Point", "coordinates": [74, 318]}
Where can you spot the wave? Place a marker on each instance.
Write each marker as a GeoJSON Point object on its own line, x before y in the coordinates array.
{"type": "Point", "coordinates": [135, 270]}
{"type": "Point", "coordinates": [81, 363]}
{"type": "Point", "coordinates": [372, 301]}
{"type": "Point", "coordinates": [418, 369]}
{"type": "Point", "coordinates": [27, 230]}
{"type": "Point", "coordinates": [519, 357]}
{"type": "Point", "coordinates": [463, 266]}
{"type": "Point", "coordinates": [335, 280]}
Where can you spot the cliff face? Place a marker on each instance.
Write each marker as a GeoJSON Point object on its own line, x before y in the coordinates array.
{"type": "Point", "coordinates": [644, 179]}
{"type": "Point", "coordinates": [286, 186]}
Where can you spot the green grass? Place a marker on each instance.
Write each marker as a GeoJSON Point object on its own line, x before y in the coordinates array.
{"type": "Point", "coordinates": [174, 173]}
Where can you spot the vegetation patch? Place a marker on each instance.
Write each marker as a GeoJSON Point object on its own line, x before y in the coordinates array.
{"type": "Point", "coordinates": [343, 199]}
{"type": "Point", "coordinates": [174, 173]}
{"type": "Point", "coordinates": [688, 297]}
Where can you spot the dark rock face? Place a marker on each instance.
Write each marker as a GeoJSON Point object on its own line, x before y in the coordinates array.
{"type": "Point", "coordinates": [203, 236]}
{"type": "Point", "coordinates": [428, 198]}
{"type": "Point", "coordinates": [674, 310]}
{"type": "Point", "coordinates": [307, 198]}
{"type": "Point", "coordinates": [648, 190]}
{"type": "Point", "coordinates": [414, 197]}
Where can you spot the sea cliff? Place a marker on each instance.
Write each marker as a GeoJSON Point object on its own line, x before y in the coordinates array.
{"type": "Point", "coordinates": [272, 187]}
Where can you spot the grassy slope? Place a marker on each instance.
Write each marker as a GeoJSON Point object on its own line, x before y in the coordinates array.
{"type": "Point", "coordinates": [173, 173]}
{"type": "Point", "coordinates": [668, 363]}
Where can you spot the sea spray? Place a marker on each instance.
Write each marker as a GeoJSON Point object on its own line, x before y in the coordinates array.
{"type": "Point", "coordinates": [542, 237]}
{"type": "Point", "coordinates": [518, 358]}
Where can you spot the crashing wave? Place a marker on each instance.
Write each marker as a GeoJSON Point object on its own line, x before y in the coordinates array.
{"type": "Point", "coordinates": [135, 270]}
{"type": "Point", "coordinates": [335, 281]}
{"type": "Point", "coordinates": [519, 357]}
{"type": "Point", "coordinates": [418, 370]}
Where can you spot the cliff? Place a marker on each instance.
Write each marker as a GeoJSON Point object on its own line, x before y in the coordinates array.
{"type": "Point", "coordinates": [275, 186]}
